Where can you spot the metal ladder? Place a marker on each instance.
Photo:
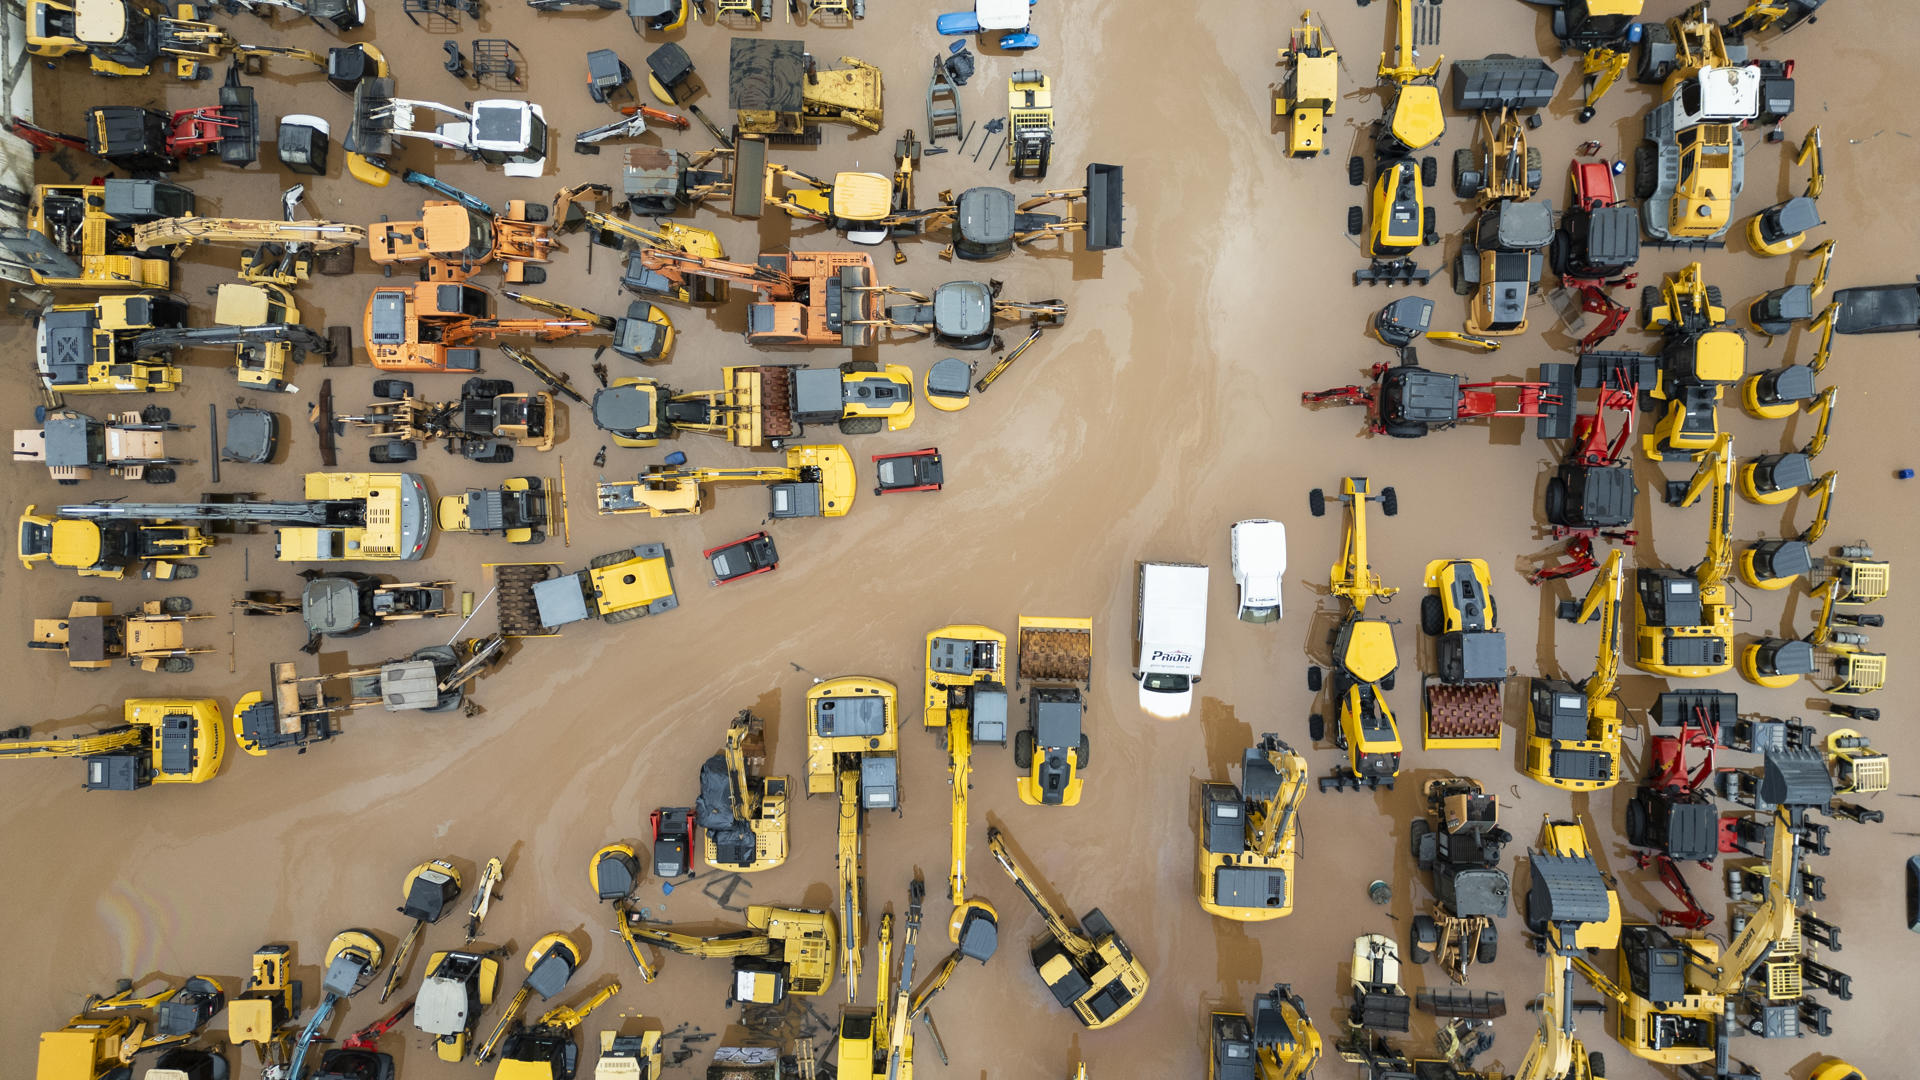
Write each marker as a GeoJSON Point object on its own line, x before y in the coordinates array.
{"type": "Point", "coordinates": [943, 104]}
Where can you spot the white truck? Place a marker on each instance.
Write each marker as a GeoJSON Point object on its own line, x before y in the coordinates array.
{"type": "Point", "coordinates": [1259, 564]}
{"type": "Point", "coordinates": [1170, 636]}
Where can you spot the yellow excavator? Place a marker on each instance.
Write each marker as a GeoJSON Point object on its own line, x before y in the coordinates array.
{"type": "Point", "coordinates": [1402, 220]}
{"type": "Point", "coordinates": [262, 1012]}
{"type": "Point", "coordinates": [853, 744]}
{"type": "Point", "coordinates": [101, 1042]}
{"type": "Point", "coordinates": [966, 700]}
{"type": "Point", "coordinates": [159, 741]}
{"type": "Point", "coordinates": [284, 253]}
{"type": "Point", "coordinates": [545, 1050]}
{"type": "Point", "coordinates": [1777, 562]}
{"type": "Point", "coordinates": [1777, 663]}
{"type": "Point", "coordinates": [426, 895]}
{"type": "Point", "coordinates": [85, 233]}
{"type": "Point", "coordinates": [550, 965]}
{"type": "Point", "coordinates": [1364, 658]}
{"type": "Point", "coordinates": [1685, 617]}
{"type": "Point", "coordinates": [877, 1043]}
{"type": "Point", "coordinates": [1573, 732]}
{"type": "Point", "coordinates": [1249, 835]}
{"type": "Point", "coordinates": [125, 38]}
{"type": "Point", "coordinates": [742, 816]}
{"type": "Point", "coordinates": [1088, 968]}
{"type": "Point", "coordinates": [1572, 907]}
{"type": "Point", "coordinates": [782, 951]}
{"type": "Point", "coordinates": [816, 481]}
{"type": "Point", "coordinates": [1278, 1043]}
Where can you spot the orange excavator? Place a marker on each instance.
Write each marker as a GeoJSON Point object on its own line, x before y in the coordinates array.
{"type": "Point", "coordinates": [438, 326]}
{"type": "Point", "coordinates": [452, 240]}
{"type": "Point", "coordinates": [801, 297]}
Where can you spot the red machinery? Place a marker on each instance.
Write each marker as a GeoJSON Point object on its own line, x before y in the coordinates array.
{"type": "Point", "coordinates": [909, 470]}
{"type": "Point", "coordinates": [1592, 493]}
{"type": "Point", "coordinates": [1406, 400]}
{"type": "Point", "coordinates": [368, 1038]}
{"type": "Point", "coordinates": [40, 139]}
{"type": "Point", "coordinates": [1598, 240]}
{"type": "Point", "coordinates": [1673, 813]}
{"type": "Point", "coordinates": [744, 558]}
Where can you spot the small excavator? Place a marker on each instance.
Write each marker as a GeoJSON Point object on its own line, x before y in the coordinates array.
{"type": "Point", "coordinates": [742, 816]}
{"type": "Point", "coordinates": [159, 741]}
{"type": "Point", "coordinates": [1571, 907]}
{"type": "Point", "coordinates": [545, 1049]}
{"type": "Point", "coordinates": [1685, 617]}
{"type": "Point", "coordinates": [853, 743]}
{"type": "Point", "coordinates": [550, 964]}
{"type": "Point", "coordinates": [1573, 732]}
{"type": "Point", "coordinates": [85, 233]}
{"type": "Point", "coordinates": [1088, 968]}
{"type": "Point", "coordinates": [151, 638]}
{"type": "Point", "coordinates": [283, 253]}
{"type": "Point", "coordinates": [129, 38]}
{"type": "Point", "coordinates": [102, 1042]}
{"type": "Point", "coordinates": [877, 1043]}
{"type": "Point", "coordinates": [1701, 354]}
{"type": "Point", "coordinates": [455, 992]}
{"type": "Point", "coordinates": [1364, 658]}
{"type": "Point", "coordinates": [1774, 563]}
{"type": "Point", "coordinates": [438, 326]}
{"type": "Point", "coordinates": [966, 701]}
{"type": "Point", "coordinates": [87, 347]}
{"type": "Point", "coordinates": [816, 481]}
{"type": "Point", "coordinates": [353, 957]}
{"type": "Point", "coordinates": [783, 951]}
{"type": "Point", "coordinates": [1278, 1043]}
{"type": "Point", "coordinates": [1249, 835]}
{"type": "Point", "coordinates": [430, 891]}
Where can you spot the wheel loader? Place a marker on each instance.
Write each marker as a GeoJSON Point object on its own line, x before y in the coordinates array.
{"type": "Point", "coordinates": [151, 638]}
{"type": "Point", "coordinates": [1692, 166]}
{"type": "Point", "coordinates": [767, 405]}
{"type": "Point", "coordinates": [485, 424]}
{"type": "Point", "coordinates": [127, 445]}
{"type": "Point", "coordinates": [536, 599]}
{"type": "Point", "coordinates": [88, 348]}
{"type": "Point", "coordinates": [1459, 842]}
{"type": "Point", "coordinates": [82, 235]}
{"type": "Point", "coordinates": [1701, 355]}
{"type": "Point", "coordinates": [1250, 834]}
{"type": "Point", "coordinates": [816, 481]}
{"type": "Point", "coordinates": [1088, 968]}
{"type": "Point", "coordinates": [1364, 658]}
{"type": "Point", "coordinates": [114, 548]}
{"type": "Point", "coordinates": [159, 741]}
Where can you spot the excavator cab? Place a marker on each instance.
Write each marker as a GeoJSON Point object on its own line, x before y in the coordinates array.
{"type": "Point", "coordinates": [457, 988]}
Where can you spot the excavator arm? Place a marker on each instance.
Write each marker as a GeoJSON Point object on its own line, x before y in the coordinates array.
{"type": "Point", "coordinates": [561, 310]}
{"type": "Point", "coordinates": [1718, 562]}
{"type": "Point", "coordinates": [1818, 526]}
{"type": "Point", "coordinates": [1551, 1055]}
{"type": "Point", "coordinates": [1604, 595]}
{"type": "Point", "coordinates": [182, 232]}
{"type": "Point", "coordinates": [107, 741]}
{"type": "Point", "coordinates": [1353, 577]}
{"type": "Point", "coordinates": [713, 946]}
{"type": "Point", "coordinates": [1058, 928]}
{"type": "Point", "coordinates": [1405, 69]}
{"type": "Point", "coordinates": [677, 268]}
{"type": "Point", "coordinates": [1273, 821]}
{"type": "Point", "coordinates": [1824, 426]}
{"type": "Point", "coordinates": [960, 775]}
{"type": "Point", "coordinates": [847, 863]}
{"type": "Point", "coordinates": [1776, 919]}
{"type": "Point", "coordinates": [302, 337]}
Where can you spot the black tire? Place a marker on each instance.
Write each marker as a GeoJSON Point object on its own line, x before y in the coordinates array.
{"type": "Point", "coordinates": [1356, 171]}
{"type": "Point", "coordinates": [1432, 615]}
{"type": "Point", "coordinates": [92, 600]}
{"type": "Point", "coordinates": [159, 475]}
{"type": "Point", "coordinates": [392, 389]}
{"type": "Point", "coordinates": [1489, 948]}
{"type": "Point", "coordinates": [861, 425]}
{"type": "Point", "coordinates": [1023, 749]}
{"type": "Point", "coordinates": [537, 212]}
{"type": "Point", "coordinates": [1461, 286]}
{"type": "Point", "coordinates": [1556, 501]}
{"type": "Point", "coordinates": [500, 455]}
{"type": "Point", "coordinates": [1649, 299]}
{"type": "Point", "coordinates": [1430, 233]}
{"type": "Point", "coordinates": [1646, 172]}
{"type": "Point", "coordinates": [1597, 1065]}
{"type": "Point", "coordinates": [1462, 161]}
{"type": "Point", "coordinates": [1637, 823]}
{"type": "Point", "coordinates": [185, 571]}
{"type": "Point", "coordinates": [1534, 169]}
{"type": "Point", "coordinates": [1429, 171]}
{"type": "Point", "coordinates": [1316, 727]}
{"type": "Point", "coordinates": [1386, 681]}
{"type": "Point", "coordinates": [1526, 914]}
{"type": "Point", "coordinates": [177, 665]}
{"type": "Point", "coordinates": [392, 453]}
{"type": "Point", "coordinates": [1314, 677]}
{"type": "Point", "coordinates": [1713, 297]}
{"type": "Point", "coordinates": [1389, 502]}
{"type": "Point", "coordinates": [1317, 502]}
{"type": "Point", "coordinates": [1425, 936]}
{"type": "Point", "coordinates": [177, 605]}
{"type": "Point", "coordinates": [1356, 220]}
{"type": "Point", "coordinates": [533, 275]}
{"type": "Point", "coordinates": [1418, 834]}
{"type": "Point", "coordinates": [155, 414]}
{"type": "Point", "coordinates": [1587, 114]}
{"type": "Point", "coordinates": [495, 387]}
{"type": "Point", "coordinates": [611, 558]}
{"type": "Point", "coordinates": [1083, 753]}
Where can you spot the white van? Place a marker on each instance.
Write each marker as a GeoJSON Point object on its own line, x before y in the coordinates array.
{"type": "Point", "coordinates": [1259, 564]}
{"type": "Point", "coordinates": [1170, 636]}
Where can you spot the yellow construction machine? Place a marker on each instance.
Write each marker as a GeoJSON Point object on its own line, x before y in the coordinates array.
{"type": "Point", "coordinates": [112, 549]}
{"type": "Point", "coordinates": [1312, 90]}
{"type": "Point", "coordinates": [1088, 968]}
{"type": "Point", "coordinates": [1701, 354]}
{"type": "Point", "coordinates": [151, 638]}
{"type": "Point", "coordinates": [1775, 563]}
{"type": "Point", "coordinates": [159, 741]}
{"type": "Point", "coordinates": [457, 989]}
{"type": "Point", "coordinates": [129, 445]}
{"type": "Point", "coordinates": [1782, 227]}
{"type": "Point", "coordinates": [817, 481]}
{"type": "Point", "coordinates": [782, 951]}
{"type": "Point", "coordinates": [283, 253]}
{"type": "Point", "coordinates": [263, 1011]}
{"type": "Point", "coordinates": [550, 964]}
{"type": "Point", "coordinates": [853, 745]}
{"type": "Point", "coordinates": [1364, 658]}
{"type": "Point", "coordinates": [1414, 120]}
{"type": "Point", "coordinates": [1029, 124]}
{"type": "Point", "coordinates": [1692, 164]}
{"type": "Point", "coordinates": [1573, 731]}
{"type": "Point", "coordinates": [966, 701]}
{"type": "Point", "coordinates": [537, 600]}
{"type": "Point", "coordinates": [295, 711]}
{"type": "Point", "coordinates": [1402, 220]}
{"type": "Point", "coordinates": [1777, 663]}
{"type": "Point", "coordinates": [85, 233]}
{"type": "Point", "coordinates": [123, 38]}
{"type": "Point", "coordinates": [101, 1042]}
{"type": "Point", "coordinates": [88, 347]}
{"type": "Point", "coordinates": [545, 1050]}
{"type": "Point", "coordinates": [742, 815]}
{"type": "Point", "coordinates": [1278, 1043]}
{"type": "Point", "coordinates": [428, 892]}
{"type": "Point", "coordinates": [1684, 618]}
{"type": "Point", "coordinates": [777, 90]}
{"type": "Point", "coordinates": [1250, 834]}
{"type": "Point", "coordinates": [877, 1043]}
{"type": "Point", "coordinates": [1056, 656]}
{"type": "Point", "coordinates": [1572, 907]}
{"type": "Point", "coordinates": [629, 1057]}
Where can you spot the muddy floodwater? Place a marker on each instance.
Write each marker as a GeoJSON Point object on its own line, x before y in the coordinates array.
{"type": "Point", "coordinates": [1166, 408]}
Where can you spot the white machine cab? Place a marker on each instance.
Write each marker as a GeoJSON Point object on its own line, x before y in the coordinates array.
{"type": "Point", "coordinates": [1259, 564]}
{"type": "Point", "coordinates": [1170, 634]}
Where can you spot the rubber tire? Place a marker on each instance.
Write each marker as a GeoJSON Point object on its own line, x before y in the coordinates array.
{"type": "Point", "coordinates": [159, 475]}
{"type": "Point", "coordinates": [1432, 615]}
{"type": "Point", "coordinates": [499, 455]}
{"type": "Point", "coordinates": [1418, 832]}
{"type": "Point", "coordinates": [536, 212]}
{"type": "Point", "coordinates": [533, 275]}
{"type": "Point", "coordinates": [861, 425]}
{"type": "Point", "coordinates": [392, 453]}
{"type": "Point", "coordinates": [1317, 502]}
{"type": "Point", "coordinates": [1646, 166]}
{"type": "Point", "coordinates": [1489, 948]}
{"type": "Point", "coordinates": [1637, 823]}
{"type": "Point", "coordinates": [1556, 501]}
{"type": "Point", "coordinates": [1023, 749]}
{"type": "Point", "coordinates": [1597, 1065]}
{"type": "Point", "coordinates": [611, 558]}
{"type": "Point", "coordinates": [1417, 951]}
{"type": "Point", "coordinates": [1356, 220]}
{"type": "Point", "coordinates": [1083, 753]}
{"type": "Point", "coordinates": [1649, 299]}
{"type": "Point", "coordinates": [1389, 502]}
{"type": "Point", "coordinates": [1534, 169]}
{"type": "Point", "coordinates": [494, 387]}
{"type": "Point", "coordinates": [1316, 727]}
{"type": "Point", "coordinates": [1356, 171]}
{"type": "Point", "coordinates": [392, 389]}
{"type": "Point", "coordinates": [1461, 286]}
{"type": "Point", "coordinates": [1462, 161]}
{"type": "Point", "coordinates": [1314, 678]}
{"type": "Point", "coordinates": [1386, 681]}
{"type": "Point", "coordinates": [156, 414]}
{"type": "Point", "coordinates": [1429, 171]}
{"type": "Point", "coordinates": [177, 605]}
{"type": "Point", "coordinates": [1713, 297]}
{"type": "Point", "coordinates": [1429, 232]}
{"type": "Point", "coordinates": [92, 600]}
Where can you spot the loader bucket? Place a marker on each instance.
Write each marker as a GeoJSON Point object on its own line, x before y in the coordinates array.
{"type": "Point", "coordinates": [1106, 205]}
{"type": "Point", "coordinates": [372, 133]}
{"type": "Point", "coordinates": [1503, 82]}
{"type": "Point", "coordinates": [1796, 777]}
{"type": "Point", "coordinates": [749, 176]}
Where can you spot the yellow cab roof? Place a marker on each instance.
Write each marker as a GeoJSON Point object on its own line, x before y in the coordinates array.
{"type": "Point", "coordinates": [451, 513]}
{"type": "Point", "coordinates": [1417, 119]}
{"type": "Point", "coordinates": [238, 304]}
{"type": "Point", "coordinates": [862, 196]}
{"type": "Point", "coordinates": [76, 543]}
{"type": "Point", "coordinates": [1720, 356]}
{"type": "Point", "coordinates": [1370, 655]}
{"type": "Point", "coordinates": [524, 1070]}
{"type": "Point", "coordinates": [838, 482]}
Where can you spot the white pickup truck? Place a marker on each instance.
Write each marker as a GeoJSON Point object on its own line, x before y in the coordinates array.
{"type": "Point", "coordinates": [1259, 562]}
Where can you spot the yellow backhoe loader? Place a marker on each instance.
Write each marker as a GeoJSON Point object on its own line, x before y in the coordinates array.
{"type": "Point", "coordinates": [1310, 95]}
{"type": "Point", "coordinates": [1250, 834]}
{"type": "Point", "coordinates": [82, 236]}
{"type": "Point", "coordinates": [1684, 618]}
{"type": "Point", "coordinates": [159, 741]}
{"type": "Point", "coordinates": [1089, 970]}
{"type": "Point", "coordinates": [742, 814]}
{"type": "Point", "coordinates": [853, 743]}
{"type": "Point", "coordinates": [1278, 1043]}
{"type": "Point", "coordinates": [817, 481]}
{"type": "Point", "coordinates": [545, 1050]}
{"type": "Point", "coordinates": [124, 38]}
{"type": "Point", "coordinates": [1573, 731]}
{"type": "Point", "coordinates": [782, 951]}
{"type": "Point", "coordinates": [1364, 658]}
{"type": "Point", "coordinates": [151, 638]}
{"type": "Point", "coordinates": [451, 241]}
{"type": "Point", "coordinates": [1572, 907]}
{"type": "Point", "coordinates": [1701, 355]}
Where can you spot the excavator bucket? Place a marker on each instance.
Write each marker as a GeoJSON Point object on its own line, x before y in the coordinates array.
{"type": "Point", "coordinates": [1105, 207]}
{"type": "Point", "coordinates": [1459, 1001]}
{"type": "Point", "coordinates": [371, 134]}
{"type": "Point", "coordinates": [1503, 82]}
{"type": "Point", "coordinates": [749, 176]}
{"type": "Point", "coordinates": [1796, 777]}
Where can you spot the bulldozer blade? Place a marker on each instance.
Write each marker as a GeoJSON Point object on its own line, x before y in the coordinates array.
{"type": "Point", "coordinates": [1454, 1001]}
{"type": "Point", "coordinates": [1503, 82]}
{"type": "Point", "coordinates": [1106, 205]}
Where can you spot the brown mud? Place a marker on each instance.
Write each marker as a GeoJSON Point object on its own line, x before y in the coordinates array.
{"type": "Point", "coordinates": [1166, 408]}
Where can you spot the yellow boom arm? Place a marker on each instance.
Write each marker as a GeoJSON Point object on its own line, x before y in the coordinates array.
{"type": "Point", "coordinates": [1273, 822]}
{"type": "Point", "coordinates": [1058, 928]}
{"type": "Point", "coordinates": [81, 746]}
{"type": "Point", "coordinates": [1604, 594]}
{"type": "Point", "coordinates": [183, 231]}
{"type": "Point", "coordinates": [1775, 921]}
{"type": "Point", "coordinates": [1404, 69]}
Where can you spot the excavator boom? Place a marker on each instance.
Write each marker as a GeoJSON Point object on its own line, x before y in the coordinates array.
{"type": "Point", "coordinates": [183, 231]}
{"type": "Point", "coordinates": [1606, 668]}
{"type": "Point", "coordinates": [847, 863]}
{"type": "Point", "coordinates": [1274, 820]}
{"type": "Point", "coordinates": [714, 946]}
{"type": "Point", "coordinates": [1058, 928]}
{"type": "Point", "coordinates": [82, 746]}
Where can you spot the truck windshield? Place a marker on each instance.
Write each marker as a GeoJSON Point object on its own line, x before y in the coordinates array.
{"type": "Point", "coordinates": [1166, 684]}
